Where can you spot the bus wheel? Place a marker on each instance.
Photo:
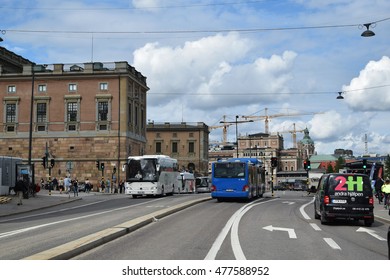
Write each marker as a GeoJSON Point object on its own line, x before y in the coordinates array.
{"type": "Point", "coordinates": [135, 196]}
{"type": "Point", "coordinates": [162, 191]}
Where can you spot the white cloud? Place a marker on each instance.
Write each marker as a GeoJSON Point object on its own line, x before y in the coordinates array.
{"type": "Point", "coordinates": [365, 92]}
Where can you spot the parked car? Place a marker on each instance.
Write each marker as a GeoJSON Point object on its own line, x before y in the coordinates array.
{"type": "Point", "coordinates": [203, 184]}
{"type": "Point", "coordinates": [347, 196]}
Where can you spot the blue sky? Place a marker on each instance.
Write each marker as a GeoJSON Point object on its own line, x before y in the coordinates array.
{"type": "Point", "coordinates": [207, 59]}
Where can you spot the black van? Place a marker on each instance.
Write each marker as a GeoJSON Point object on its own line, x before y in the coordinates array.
{"type": "Point", "coordinates": [347, 196]}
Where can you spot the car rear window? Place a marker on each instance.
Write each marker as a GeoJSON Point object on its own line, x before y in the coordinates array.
{"type": "Point", "coordinates": [358, 183]}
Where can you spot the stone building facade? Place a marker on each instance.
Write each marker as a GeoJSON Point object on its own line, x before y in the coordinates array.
{"type": "Point", "coordinates": [187, 142]}
{"type": "Point", "coordinates": [82, 113]}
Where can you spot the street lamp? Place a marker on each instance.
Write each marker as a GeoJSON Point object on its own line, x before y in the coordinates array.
{"type": "Point", "coordinates": [236, 122]}
{"type": "Point", "coordinates": [34, 68]}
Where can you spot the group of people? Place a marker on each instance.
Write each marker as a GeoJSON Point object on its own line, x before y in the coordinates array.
{"type": "Point", "coordinates": [382, 191]}
{"type": "Point", "coordinates": [107, 187]}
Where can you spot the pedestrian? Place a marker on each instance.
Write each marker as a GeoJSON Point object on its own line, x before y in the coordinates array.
{"type": "Point", "coordinates": [102, 185]}
{"type": "Point", "coordinates": [55, 184]}
{"type": "Point", "coordinates": [67, 184]}
{"type": "Point", "coordinates": [108, 186]}
{"type": "Point", "coordinates": [20, 189]}
{"type": "Point", "coordinates": [121, 186]}
{"type": "Point", "coordinates": [87, 185]}
{"type": "Point", "coordinates": [61, 185]}
{"type": "Point", "coordinates": [378, 189]}
{"type": "Point", "coordinates": [75, 187]}
{"type": "Point", "coordinates": [386, 192]}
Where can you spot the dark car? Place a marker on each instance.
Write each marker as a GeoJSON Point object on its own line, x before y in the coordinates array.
{"type": "Point", "coordinates": [347, 196]}
{"type": "Point", "coordinates": [203, 184]}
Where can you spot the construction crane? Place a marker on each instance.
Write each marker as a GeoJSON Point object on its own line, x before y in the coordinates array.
{"type": "Point", "coordinates": [225, 129]}
{"type": "Point", "coordinates": [267, 117]}
{"type": "Point", "coordinates": [294, 134]}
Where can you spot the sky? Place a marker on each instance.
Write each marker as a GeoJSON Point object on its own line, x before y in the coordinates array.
{"type": "Point", "coordinates": [210, 61]}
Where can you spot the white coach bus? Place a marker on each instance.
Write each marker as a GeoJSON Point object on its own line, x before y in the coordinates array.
{"type": "Point", "coordinates": [151, 175]}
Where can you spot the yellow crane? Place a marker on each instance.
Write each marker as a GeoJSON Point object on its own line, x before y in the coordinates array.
{"type": "Point", "coordinates": [293, 134]}
{"type": "Point", "coordinates": [225, 129]}
{"type": "Point", "coordinates": [267, 117]}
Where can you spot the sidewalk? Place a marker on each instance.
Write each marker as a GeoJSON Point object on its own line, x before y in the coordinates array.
{"type": "Point", "coordinates": [8, 204]}
{"type": "Point", "coordinates": [43, 199]}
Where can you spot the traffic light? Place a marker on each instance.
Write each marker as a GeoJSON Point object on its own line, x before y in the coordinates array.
{"type": "Point", "coordinates": [102, 166]}
{"type": "Point", "coordinates": [274, 162]}
{"type": "Point", "coordinates": [44, 159]}
{"type": "Point", "coordinates": [364, 164]}
{"type": "Point", "coordinates": [97, 164]}
{"type": "Point", "coordinates": [52, 162]}
{"type": "Point", "coordinates": [306, 165]}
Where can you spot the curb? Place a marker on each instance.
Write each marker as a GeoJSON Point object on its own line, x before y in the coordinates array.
{"type": "Point", "coordinates": [81, 245]}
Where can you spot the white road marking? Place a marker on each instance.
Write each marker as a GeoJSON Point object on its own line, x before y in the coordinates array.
{"type": "Point", "coordinates": [371, 232]}
{"type": "Point", "coordinates": [291, 231]}
{"type": "Point", "coordinates": [302, 210]}
{"type": "Point", "coordinates": [289, 202]}
{"type": "Point", "coordinates": [315, 227]}
{"type": "Point", "coordinates": [211, 255]}
{"type": "Point", "coordinates": [332, 243]}
{"type": "Point", "coordinates": [14, 232]}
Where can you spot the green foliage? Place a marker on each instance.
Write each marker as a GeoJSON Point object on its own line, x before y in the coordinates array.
{"type": "Point", "coordinates": [387, 167]}
{"type": "Point", "coordinates": [329, 168]}
{"type": "Point", "coordinates": [339, 164]}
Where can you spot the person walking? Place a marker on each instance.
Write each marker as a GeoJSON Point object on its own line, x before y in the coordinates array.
{"type": "Point", "coordinates": [378, 189]}
{"type": "Point", "coordinates": [87, 185]}
{"type": "Point", "coordinates": [20, 189]}
{"type": "Point", "coordinates": [108, 186]}
{"type": "Point", "coordinates": [67, 184]}
{"type": "Point", "coordinates": [386, 192]}
{"type": "Point", "coordinates": [75, 187]}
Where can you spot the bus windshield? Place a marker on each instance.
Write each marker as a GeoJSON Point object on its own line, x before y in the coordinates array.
{"type": "Point", "coordinates": [142, 169]}
{"type": "Point", "coordinates": [229, 170]}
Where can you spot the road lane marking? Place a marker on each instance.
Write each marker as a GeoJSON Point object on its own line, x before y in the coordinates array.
{"type": "Point", "coordinates": [315, 227]}
{"type": "Point", "coordinates": [302, 210]}
{"type": "Point", "coordinates": [371, 232]}
{"type": "Point", "coordinates": [14, 232]}
{"type": "Point", "coordinates": [291, 231]}
{"type": "Point", "coordinates": [211, 255]}
{"type": "Point", "coordinates": [332, 243]}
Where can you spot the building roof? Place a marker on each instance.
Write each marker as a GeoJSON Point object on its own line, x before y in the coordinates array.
{"type": "Point", "coordinates": [322, 158]}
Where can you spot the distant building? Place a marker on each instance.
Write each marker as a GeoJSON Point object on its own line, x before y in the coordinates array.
{"type": "Point", "coordinates": [186, 142]}
{"type": "Point", "coordinates": [82, 112]}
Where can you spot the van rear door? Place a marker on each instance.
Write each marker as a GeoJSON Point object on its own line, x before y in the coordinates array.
{"type": "Point", "coordinates": [350, 195]}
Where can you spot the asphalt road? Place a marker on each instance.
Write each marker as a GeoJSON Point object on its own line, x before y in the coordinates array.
{"type": "Point", "coordinates": [27, 234]}
{"type": "Point", "coordinates": [277, 228]}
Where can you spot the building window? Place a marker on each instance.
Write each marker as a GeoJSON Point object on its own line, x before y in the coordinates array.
{"type": "Point", "coordinates": [103, 86]}
{"type": "Point", "coordinates": [191, 147]}
{"type": "Point", "coordinates": [41, 112]}
{"type": "Point", "coordinates": [11, 89]}
{"type": "Point", "coordinates": [72, 112]}
{"type": "Point", "coordinates": [72, 87]}
{"type": "Point", "coordinates": [10, 115]}
{"type": "Point", "coordinates": [41, 88]}
{"type": "Point", "coordinates": [103, 111]}
{"type": "Point", "coordinates": [174, 135]}
{"type": "Point", "coordinates": [191, 135]}
{"type": "Point", "coordinates": [175, 147]}
{"type": "Point", "coordinates": [158, 148]}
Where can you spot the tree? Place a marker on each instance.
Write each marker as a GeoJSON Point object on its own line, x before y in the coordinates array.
{"type": "Point", "coordinates": [329, 168]}
{"type": "Point", "coordinates": [386, 172]}
{"type": "Point", "coordinates": [339, 164]}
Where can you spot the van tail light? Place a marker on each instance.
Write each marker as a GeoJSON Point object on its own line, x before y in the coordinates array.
{"type": "Point", "coordinates": [326, 200]}
{"type": "Point", "coordinates": [213, 188]}
{"type": "Point", "coordinates": [371, 200]}
{"type": "Point", "coordinates": [245, 188]}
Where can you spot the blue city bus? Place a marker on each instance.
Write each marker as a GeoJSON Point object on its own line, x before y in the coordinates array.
{"type": "Point", "coordinates": [237, 178]}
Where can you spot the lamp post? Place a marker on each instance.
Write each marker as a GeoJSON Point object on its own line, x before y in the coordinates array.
{"type": "Point", "coordinates": [236, 122]}
{"type": "Point", "coordinates": [31, 114]}
{"type": "Point", "coordinates": [34, 68]}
